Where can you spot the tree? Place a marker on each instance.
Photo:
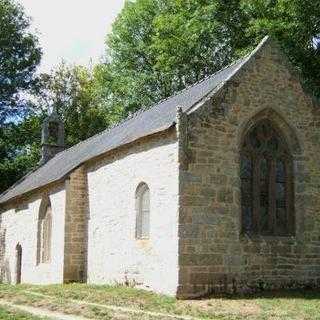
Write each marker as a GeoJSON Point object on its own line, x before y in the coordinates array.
{"type": "Point", "coordinates": [158, 47]}
{"type": "Point", "coordinates": [296, 24]}
{"type": "Point", "coordinates": [19, 149]}
{"type": "Point", "coordinates": [19, 56]}
{"type": "Point", "coordinates": [71, 90]}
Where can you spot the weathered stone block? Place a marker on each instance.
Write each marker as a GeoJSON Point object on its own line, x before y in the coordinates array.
{"type": "Point", "coordinates": [200, 259]}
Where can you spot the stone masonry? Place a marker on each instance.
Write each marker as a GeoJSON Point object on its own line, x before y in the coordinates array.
{"type": "Point", "coordinates": [76, 222]}
{"type": "Point", "coordinates": [213, 254]}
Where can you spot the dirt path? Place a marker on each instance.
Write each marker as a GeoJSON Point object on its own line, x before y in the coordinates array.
{"type": "Point", "coordinates": [40, 312]}
{"type": "Point", "coordinates": [119, 309]}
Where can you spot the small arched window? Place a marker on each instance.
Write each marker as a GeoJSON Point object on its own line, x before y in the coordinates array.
{"type": "Point", "coordinates": [266, 182]}
{"type": "Point", "coordinates": [44, 232]}
{"type": "Point", "coordinates": [142, 211]}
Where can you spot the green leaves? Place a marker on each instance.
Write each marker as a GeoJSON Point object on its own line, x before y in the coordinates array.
{"type": "Point", "coordinates": [19, 149]}
{"type": "Point", "coordinates": [19, 56]}
{"type": "Point", "coordinates": [72, 91]}
{"type": "Point", "coordinates": [158, 47]}
{"type": "Point", "coordinates": [294, 23]}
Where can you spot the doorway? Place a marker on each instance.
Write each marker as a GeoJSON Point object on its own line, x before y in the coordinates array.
{"type": "Point", "coordinates": [19, 263]}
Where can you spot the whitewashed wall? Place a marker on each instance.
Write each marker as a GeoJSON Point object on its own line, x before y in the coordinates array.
{"type": "Point", "coordinates": [114, 254]}
{"type": "Point", "coordinates": [21, 227]}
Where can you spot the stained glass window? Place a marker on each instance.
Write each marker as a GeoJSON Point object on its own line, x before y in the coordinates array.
{"type": "Point", "coordinates": [264, 195]}
{"type": "Point", "coordinates": [266, 182]}
{"type": "Point", "coordinates": [246, 191]}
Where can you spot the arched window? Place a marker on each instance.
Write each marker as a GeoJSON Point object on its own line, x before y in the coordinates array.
{"type": "Point", "coordinates": [143, 211]}
{"type": "Point", "coordinates": [44, 232]}
{"type": "Point", "coordinates": [266, 182]}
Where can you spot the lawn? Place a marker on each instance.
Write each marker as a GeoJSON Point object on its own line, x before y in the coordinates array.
{"type": "Point", "coordinates": [285, 305]}
{"type": "Point", "coordinates": [9, 314]}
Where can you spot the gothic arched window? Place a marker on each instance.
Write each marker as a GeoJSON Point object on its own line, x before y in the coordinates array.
{"type": "Point", "coordinates": [266, 182]}
{"type": "Point", "coordinates": [44, 232]}
{"type": "Point", "coordinates": [143, 211]}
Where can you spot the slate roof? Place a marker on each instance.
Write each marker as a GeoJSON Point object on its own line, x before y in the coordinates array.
{"type": "Point", "coordinates": [158, 118]}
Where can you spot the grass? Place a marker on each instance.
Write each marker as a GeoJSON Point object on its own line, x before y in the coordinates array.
{"type": "Point", "coordinates": [10, 314]}
{"type": "Point", "coordinates": [285, 305]}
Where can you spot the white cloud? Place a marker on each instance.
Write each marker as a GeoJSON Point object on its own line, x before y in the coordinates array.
{"type": "Point", "coordinates": [73, 30]}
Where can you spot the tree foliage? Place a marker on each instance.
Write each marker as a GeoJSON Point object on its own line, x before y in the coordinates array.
{"type": "Point", "coordinates": [19, 57]}
{"type": "Point", "coordinates": [71, 90]}
{"type": "Point", "coordinates": [158, 47]}
{"type": "Point", "coordinates": [296, 24]}
{"type": "Point", "coordinates": [19, 149]}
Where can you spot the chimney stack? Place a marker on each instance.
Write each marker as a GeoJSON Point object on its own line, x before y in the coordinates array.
{"type": "Point", "coordinates": [52, 141]}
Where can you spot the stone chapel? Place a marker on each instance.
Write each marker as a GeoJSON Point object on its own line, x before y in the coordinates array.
{"type": "Point", "coordinates": [215, 189]}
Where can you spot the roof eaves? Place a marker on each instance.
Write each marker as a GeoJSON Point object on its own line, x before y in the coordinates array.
{"type": "Point", "coordinates": [65, 176]}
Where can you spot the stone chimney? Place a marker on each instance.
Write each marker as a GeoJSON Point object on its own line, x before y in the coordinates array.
{"type": "Point", "coordinates": [52, 137]}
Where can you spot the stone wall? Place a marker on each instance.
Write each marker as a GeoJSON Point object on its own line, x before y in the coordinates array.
{"type": "Point", "coordinates": [213, 254]}
{"type": "Point", "coordinates": [114, 255]}
{"type": "Point", "coordinates": [19, 223]}
{"type": "Point", "coordinates": [75, 232]}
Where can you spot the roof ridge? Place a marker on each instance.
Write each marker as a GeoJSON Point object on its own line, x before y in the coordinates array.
{"type": "Point", "coordinates": [196, 83]}
{"type": "Point", "coordinates": [241, 61]}
{"type": "Point", "coordinates": [113, 126]}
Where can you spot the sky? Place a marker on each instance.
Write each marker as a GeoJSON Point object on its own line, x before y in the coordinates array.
{"type": "Point", "coordinates": [73, 30]}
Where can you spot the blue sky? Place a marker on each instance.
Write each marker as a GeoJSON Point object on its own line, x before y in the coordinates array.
{"type": "Point", "coordinates": [73, 30]}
